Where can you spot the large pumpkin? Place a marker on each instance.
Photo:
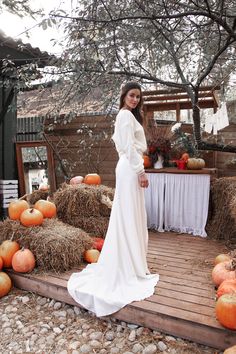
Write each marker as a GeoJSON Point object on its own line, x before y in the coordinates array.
{"type": "Point", "coordinates": [195, 163]}
{"type": "Point", "coordinates": [226, 287]}
{"type": "Point", "coordinates": [231, 350]}
{"type": "Point", "coordinates": [7, 250]}
{"type": "Point", "coordinates": [147, 162]}
{"type": "Point", "coordinates": [31, 217]}
{"type": "Point", "coordinates": [92, 178]}
{"type": "Point", "coordinates": [223, 271]}
{"type": "Point", "coordinates": [226, 310]}
{"type": "Point", "coordinates": [1, 263]}
{"type": "Point", "coordinates": [48, 209]}
{"type": "Point", "coordinates": [5, 284]}
{"type": "Point", "coordinates": [23, 261]}
{"type": "Point", "coordinates": [16, 207]}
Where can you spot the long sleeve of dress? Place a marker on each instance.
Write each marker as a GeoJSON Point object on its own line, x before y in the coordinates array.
{"type": "Point", "coordinates": [130, 140]}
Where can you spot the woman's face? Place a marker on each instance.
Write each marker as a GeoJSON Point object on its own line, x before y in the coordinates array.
{"type": "Point", "coordinates": [132, 99]}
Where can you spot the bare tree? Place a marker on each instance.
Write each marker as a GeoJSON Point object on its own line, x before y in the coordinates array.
{"type": "Point", "coordinates": [176, 43]}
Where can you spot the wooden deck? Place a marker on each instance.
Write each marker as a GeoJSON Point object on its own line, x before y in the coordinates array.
{"type": "Point", "coordinates": [184, 300]}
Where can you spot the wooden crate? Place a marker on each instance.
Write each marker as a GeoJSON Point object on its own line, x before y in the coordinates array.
{"type": "Point", "coordinates": [8, 193]}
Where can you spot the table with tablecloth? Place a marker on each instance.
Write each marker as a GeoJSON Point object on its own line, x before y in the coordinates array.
{"type": "Point", "coordinates": [178, 200]}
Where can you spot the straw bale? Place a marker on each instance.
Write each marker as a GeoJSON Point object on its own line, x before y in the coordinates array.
{"type": "Point", "coordinates": [85, 206]}
{"type": "Point", "coordinates": [95, 226]}
{"type": "Point", "coordinates": [56, 246]}
{"type": "Point", "coordinates": [222, 223]}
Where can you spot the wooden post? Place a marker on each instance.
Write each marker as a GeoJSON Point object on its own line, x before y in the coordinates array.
{"type": "Point", "coordinates": [177, 112]}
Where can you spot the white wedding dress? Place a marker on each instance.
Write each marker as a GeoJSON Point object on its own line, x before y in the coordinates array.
{"type": "Point", "coordinates": [121, 274]}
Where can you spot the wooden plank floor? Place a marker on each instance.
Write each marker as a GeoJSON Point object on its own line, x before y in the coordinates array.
{"type": "Point", "coordinates": [184, 300]}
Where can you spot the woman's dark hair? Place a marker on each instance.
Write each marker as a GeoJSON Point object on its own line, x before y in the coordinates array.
{"type": "Point", "coordinates": [125, 89]}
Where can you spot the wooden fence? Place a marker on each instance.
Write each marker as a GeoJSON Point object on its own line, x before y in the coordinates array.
{"type": "Point", "coordinates": [84, 146]}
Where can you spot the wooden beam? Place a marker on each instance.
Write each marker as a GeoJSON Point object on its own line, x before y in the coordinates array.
{"type": "Point", "coordinates": [159, 92]}
{"type": "Point", "coordinates": [171, 106]}
{"type": "Point", "coordinates": [177, 96]}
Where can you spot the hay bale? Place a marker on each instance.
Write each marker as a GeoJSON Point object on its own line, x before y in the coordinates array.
{"type": "Point", "coordinates": [84, 206]}
{"type": "Point", "coordinates": [222, 223]}
{"type": "Point", "coordinates": [56, 246]}
{"type": "Point", "coordinates": [95, 226]}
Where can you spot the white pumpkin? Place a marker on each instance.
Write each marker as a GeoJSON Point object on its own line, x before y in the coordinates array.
{"type": "Point", "coordinates": [195, 163]}
{"type": "Point", "coordinates": [76, 180]}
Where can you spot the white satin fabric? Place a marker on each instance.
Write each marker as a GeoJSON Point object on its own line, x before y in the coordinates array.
{"type": "Point", "coordinates": [178, 202]}
{"type": "Point", "coordinates": [121, 274]}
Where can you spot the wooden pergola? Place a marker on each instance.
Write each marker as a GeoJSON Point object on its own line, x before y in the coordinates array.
{"type": "Point", "coordinates": [177, 100]}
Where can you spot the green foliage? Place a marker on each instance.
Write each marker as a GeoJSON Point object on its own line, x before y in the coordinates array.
{"type": "Point", "coordinates": [185, 142]}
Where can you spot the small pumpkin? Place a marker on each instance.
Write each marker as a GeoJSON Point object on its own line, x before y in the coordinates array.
{"type": "Point", "coordinates": [226, 287]}
{"type": "Point", "coordinates": [16, 207]}
{"type": "Point", "coordinates": [5, 284]}
{"type": "Point", "coordinates": [47, 208]}
{"type": "Point", "coordinates": [76, 180]}
{"type": "Point", "coordinates": [23, 261]}
{"type": "Point", "coordinates": [98, 243]}
{"type": "Point", "coordinates": [44, 187]}
{"type": "Point", "coordinates": [92, 178]}
{"type": "Point", "coordinates": [195, 163]}
{"type": "Point", "coordinates": [91, 256]}
{"type": "Point", "coordinates": [221, 258]}
{"type": "Point", "coordinates": [185, 156]}
{"type": "Point", "coordinates": [223, 271]}
{"type": "Point", "coordinates": [226, 310]}
{"type": "Point", "coordinates": [7, 250]}
{"type": "Point", "coordinates": [147, 162]}
{"type": "Point", "coordinates": [31, 217]}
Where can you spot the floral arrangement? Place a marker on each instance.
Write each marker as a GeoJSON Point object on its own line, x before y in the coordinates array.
{"type": "Point", "coordinates": [161, 146]}
{"type": "Point", "coordinates": [158, 141]}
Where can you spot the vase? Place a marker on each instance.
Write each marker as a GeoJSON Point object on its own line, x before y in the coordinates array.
{"type": "Point", "coordinates": [159, 163]}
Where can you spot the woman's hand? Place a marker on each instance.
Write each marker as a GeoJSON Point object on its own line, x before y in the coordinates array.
{"type": "Point", "coordinates": [143, 181]}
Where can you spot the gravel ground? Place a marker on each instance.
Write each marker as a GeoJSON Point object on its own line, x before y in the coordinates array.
{"type": "Point", "coordinates": [34, 324]}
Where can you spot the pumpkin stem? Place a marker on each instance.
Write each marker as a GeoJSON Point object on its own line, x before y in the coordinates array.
{"type": "Point", "coordinates": [12, 236]}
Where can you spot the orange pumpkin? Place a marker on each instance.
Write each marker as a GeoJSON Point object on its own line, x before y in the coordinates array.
{"type": "Point", "coordinates": [226, 287]}
{"type": "Point", "coordinates": [222, 258]}
{"type": "Point", "coordinates": [92, 178]}
{"type": "Point", "coordinates": [91, 256]}
{"type": "Point", "coordinates": [5, 284]}
{"type": "Point", "coordinates": [98, 243]}
{"type": "Point", "coordinates": [23, 261]}
{"type": "Point", "coordinates": [48, 209]}
{"type": "Point", "coordinates": [7, 250]}
{"type": "Point", "coordinates": [16, 207]}
{"type": "Point", "coordinates": [226, 310]}
{"type": "Point", "coordinates": [185, 156]}
{"type": "Point", "coordinates": [223, 271]}
{"type": "Point", "coordinates": [1, 263]}
{"type": "Point", "coordinates": [147, 162]}
{"type": "Point", "coordinates": [31, 217]}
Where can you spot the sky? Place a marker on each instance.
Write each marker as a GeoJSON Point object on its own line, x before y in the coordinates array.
{"type": "Point", "coordinates": [14, 26]}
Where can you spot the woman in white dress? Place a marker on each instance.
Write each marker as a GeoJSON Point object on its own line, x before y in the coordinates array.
{"type": "Point", "coordinates": [121, 274]}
